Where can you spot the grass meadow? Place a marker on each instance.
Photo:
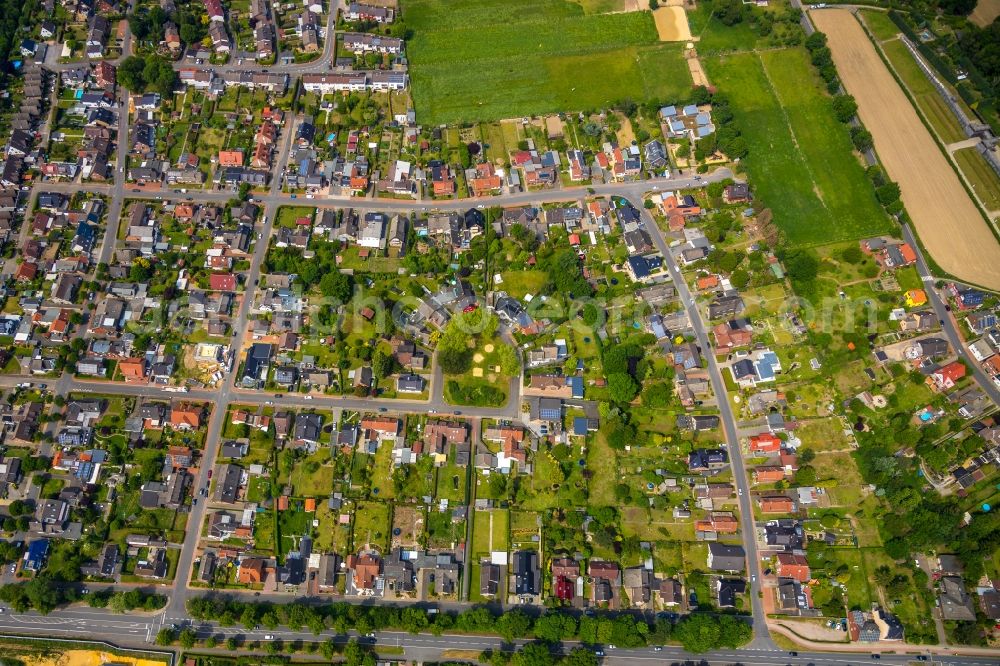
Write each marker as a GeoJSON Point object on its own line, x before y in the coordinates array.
{"type": "Point", "coordinates": [924, 93]}
{"type": "Point", "coordinates": [801, 159]}
{"type": "Point", "coordinates": [487, 60]}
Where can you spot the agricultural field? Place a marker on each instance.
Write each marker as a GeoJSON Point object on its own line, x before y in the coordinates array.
{"type": "Point", "coordinates": [946, 219]}
{"type": "Point", "coordinates": [713, 35]}
{"type": "Point", "coordinates": [927, 98]}
{"type": "Point", "coordinates": [984, 180]}
{"type": "Point", "coordinates": [554, 58]}
{"type": "Point", "coordinates": [880, 24]}
{"type": "Point", "coordinates": [801, 159]}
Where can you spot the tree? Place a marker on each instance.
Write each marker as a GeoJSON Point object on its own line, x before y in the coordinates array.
{"type": "Point", "coordinates": [554, 627]}
{"type": "Point", "coordinates": [231, 643]}
{"type": "Point", "coordinates": [159, 75]}
{"type": "Point", "coordinates": [533, 654]}
{"type": "Point", "coordinates": [806, 475]}
{"type": "Point", "coordinates": [957, 7]}
{"type": "Point", "coordinates": [815, 41]}
{"type": "Point", "coordinates": [336, 285]}
{"type": "Point", "coordinates": [888, 193]}
{"type": "Point", "coordinates": [852, 254]}
{"type": "Point", "coordinates": [656, 395]}
{"type": "Point", "coordinates": [355, 654]}
{"type": "Point", "coordinates": [513, 624]}
{"type": "Point", "coordinates": [862, 139]}
{"type": "Point", "coordinates": [844, 107]}
{"type": "Point", "coordinates": [801, 266]}
{"type": "Point", "coordinates": [383, 363]}
{"type": "Point", "coordinates": [130, 74]}
{"type": "Point", "coordinates": [698, 633]}
{"type": "Point", "coordinates": [188, 638]}
{"type": "Point", "coordinates": [729, 12]}
{"type": "Point", "coordinates": [414, 620]}
{"type": "Point", "coordinates": [249, 617]}
{"type": "Point", "coordinates": [622, 387]}
{"type": "Point", "coordinates": [740, 278]}
{"type": "Point", "coordinates": [165, 636]}
{"type": "Point", "coordinates": [454, 361]}
{"type": "Point", "coordinates": [565, 274]}
{"type": "Point", "coordinates": [579, 656]}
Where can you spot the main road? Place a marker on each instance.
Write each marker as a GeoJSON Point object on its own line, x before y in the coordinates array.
{"type": "Point", "coordinates": [137, 629]}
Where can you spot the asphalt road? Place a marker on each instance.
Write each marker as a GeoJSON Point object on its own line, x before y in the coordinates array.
{"type": "Point", "coordinates": [137, 629]}
{"type": "Point", "coordinates": [762, 637]}
{"type": "Point", "coordinates": [946, 318]}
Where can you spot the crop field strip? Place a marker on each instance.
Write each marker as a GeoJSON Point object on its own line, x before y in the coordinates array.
{"type": "Point", "coordinates": [926, 96]}
{"type": "Point", "coordinates": [491, 60]}
{"type": "Point", "coordinates": [945, 217]}
{"type": "Point", "coordinates": [801, 158]}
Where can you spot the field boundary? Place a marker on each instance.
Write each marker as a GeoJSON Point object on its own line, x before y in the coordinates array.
{"type": "Point", "coordinates": [926, 123]}
{"type": "Point", "coordinates": [940, 211]}
{"type": "Point", "coordinates": [169, 656]}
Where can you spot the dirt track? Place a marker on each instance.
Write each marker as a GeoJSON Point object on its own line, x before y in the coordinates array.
{"type": "Point", "coordinates": [945, 218]}
{"type": "Point", "coordinates": [672, 24]}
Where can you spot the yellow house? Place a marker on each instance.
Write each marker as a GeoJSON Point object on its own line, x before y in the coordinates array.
{"type": "Point", "coordinates": [916, 298]}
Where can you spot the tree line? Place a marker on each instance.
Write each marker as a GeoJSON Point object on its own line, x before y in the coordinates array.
{"type": "Point", "coordinates": [696, 633]}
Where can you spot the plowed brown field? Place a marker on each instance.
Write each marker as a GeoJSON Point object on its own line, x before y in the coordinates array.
{"type": "Point", "coordinates": [946, 219]}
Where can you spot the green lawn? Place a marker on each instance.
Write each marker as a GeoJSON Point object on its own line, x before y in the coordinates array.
{"type": "Point", "coordinates": [490, 531]}
{"type": "Point", "coordinates": [452, 481]}
{"type": "Point", "coordinates": [332, 536]}
{"type": "Point", "coordinates": [371, 526]}
{"type": "Point", "coordinates": [848, 564]}
{"type": "Point", "coordinates": [984, 180]}
{"type": "Point", "coordinates": [442, 532]}
{"type": "Point", "coordinates": [553, 58]}
{"type": "Point", "coordinates": [713, 35]}
{"type": "Point", "coordinates": [801, 160]}
{"type": "Point", "coordinates": [288, 214]}
{"type": "Point", "coordinates": [293, 524]}
{"type": "Point", "coordinates": [880, 24]}
{"type": "Point", "coordinates": [313, 476]}
{"type": "Point", "coordinates": [520, 283]}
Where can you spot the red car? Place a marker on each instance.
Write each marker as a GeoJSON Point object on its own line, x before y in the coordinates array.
{"type": "Point", "coordinates": [210, 474]}
{"type": "Point", "coordinates": [470, 308]}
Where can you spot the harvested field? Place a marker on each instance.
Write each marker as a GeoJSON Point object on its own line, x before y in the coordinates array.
{"type": "Point", "coordinates": [985, 13]}
{"type": "Point", "coordinates": [945, 217]}
{"type": "Point", "coordinates": [672, 24]}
